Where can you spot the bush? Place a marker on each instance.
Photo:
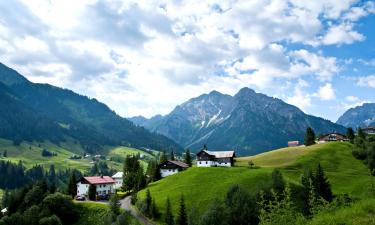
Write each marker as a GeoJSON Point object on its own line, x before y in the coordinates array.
{"type": "Point", "coordinates": [52, 220]}
{"type": "Point", "coordinates": [62, 206]}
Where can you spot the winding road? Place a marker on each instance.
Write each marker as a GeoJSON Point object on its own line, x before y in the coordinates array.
{"type": "Point", "coordinates": [126, 204]}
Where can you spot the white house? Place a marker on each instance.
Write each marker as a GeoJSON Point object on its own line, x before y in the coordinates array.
{"type": "Point", "coordinates": [104, 185]}
{"type": "Point", "coordinates": [170, 167]}
{"type": "Point", "coordinates": [118, 177]}
{"type": "Point", "coordinates": [219, 158]}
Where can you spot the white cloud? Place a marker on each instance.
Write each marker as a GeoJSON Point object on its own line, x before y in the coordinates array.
{"type": "Point", "coordinates": [326, 92]}
{"type": "Point", "coordinates": [367, 81]}
{"type": "Point", "coordinates": [300, 98]}
{"type": "Point", "coordinates": [145, 57]}
{"type": "Point", "coordinates": [351, 98]}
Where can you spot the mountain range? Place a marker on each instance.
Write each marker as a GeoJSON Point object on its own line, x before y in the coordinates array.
{"type": "Point", "coordinates": [247, 122]}
{"type": "Point", "coordinates": [360, 116]}
{"type": "Point", "coordinates": [31, 111]}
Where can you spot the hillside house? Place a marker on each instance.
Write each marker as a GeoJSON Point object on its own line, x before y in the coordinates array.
{"type": "Point", "coordinates": [170, 167]}
{"type": "Point", "coordinates": [369, 130]}
{"type": "Point", "coordinates": [118, 177]}
{"type": "Point", "coordinates": [104, 185]}
{"type": "Point", "coordinates": [218, 158]}
{"type": "Point", "coordinates": [293, 143]}
{"type": "Point", "coordinates": [332, 137]}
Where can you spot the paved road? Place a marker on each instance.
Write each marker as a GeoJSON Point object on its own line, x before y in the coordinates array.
{"type": "Point", "coordinates": [126, 204]}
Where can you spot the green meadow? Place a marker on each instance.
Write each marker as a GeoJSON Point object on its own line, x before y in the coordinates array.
{"type": "Point", "coordinates": [201, 185]}
{"type": "Point", "coordinates": [30, 153]}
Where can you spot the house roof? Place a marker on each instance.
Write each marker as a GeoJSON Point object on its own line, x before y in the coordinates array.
{"type": "Point", "coordinates": [221, 154]}
{"type": "Point", "coordinates": [177, 163]}
{"type": "Point", "coordinates": [118, 175]}
{"type": "Point", "coordinates": [100, 180]}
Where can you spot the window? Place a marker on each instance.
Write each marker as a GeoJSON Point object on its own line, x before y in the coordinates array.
{"type": "Point", "coordinates": [200, 162]}
{"type": "Point", "coordinates": [206, 162]}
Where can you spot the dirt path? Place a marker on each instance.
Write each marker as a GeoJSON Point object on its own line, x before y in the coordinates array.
{"type": "Point", "coordinates": [126, 204]}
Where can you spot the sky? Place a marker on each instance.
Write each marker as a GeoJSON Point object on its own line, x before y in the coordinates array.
{"type": "Point", "coordinates": [146, 57]}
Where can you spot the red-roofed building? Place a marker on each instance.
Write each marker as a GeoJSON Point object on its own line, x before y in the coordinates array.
{"type": "Point", "coordinates": [104, 185]}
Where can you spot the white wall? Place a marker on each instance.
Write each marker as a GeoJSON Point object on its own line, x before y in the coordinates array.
{"type": "Point", "coordinates": [83, 189]}
{"type": "Point", "coordinates": [118, 183]}
{"type": "Point", "coordinates": [212, 163]}
{"type": "Point", "coordinates": [168, 172]}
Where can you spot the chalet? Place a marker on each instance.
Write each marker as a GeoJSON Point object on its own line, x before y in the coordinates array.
{"type": "Point", "coordinates": [293, 143]}
{"type": "Point", "coordinates": [332, 137]}
{"type": "Point", "coordinates": [170, 167]}
{"type": "Point", "coordinates": [369, 130]}
{"type": "Point", "coordinates": [220, 158]}
{"type": "Point", "coordinates": [118, 177]}
{"type": "Point", "coordinates": [104, 185]}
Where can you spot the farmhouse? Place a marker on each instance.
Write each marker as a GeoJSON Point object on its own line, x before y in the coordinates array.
{"type": "Point", "coordinates": [170, 167]}
{"type": "Point", "coordinates": [332, 137]}
{"type": "Point", "coordinates": [118, 177]}
{"type": "Point", "coordinates": [369, 130]}
{"type": "Point", "coordinates": [293, 143]}
{"type": "Point", "coordinates": [104, 185]}
{"type": "Point", "coordinates": [220, 158]}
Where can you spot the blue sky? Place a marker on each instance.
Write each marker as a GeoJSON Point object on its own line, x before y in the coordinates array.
{"type": "Point", "coordinates": [146, 57]}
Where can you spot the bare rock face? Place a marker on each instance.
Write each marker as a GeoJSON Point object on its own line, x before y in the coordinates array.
{"type": "Point", "coordinates": [360, 116]}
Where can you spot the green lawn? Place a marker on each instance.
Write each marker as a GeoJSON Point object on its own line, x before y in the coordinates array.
{"type": "Point", "coordinates": [201, 185]}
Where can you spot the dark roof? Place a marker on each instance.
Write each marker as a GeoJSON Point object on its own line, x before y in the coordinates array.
{"type": "Point", "coordinates": [99, 180]}
{"type": "Point", "coordinates": [177, 163]}
{"type": "Point", "coordinates": [220, 154]}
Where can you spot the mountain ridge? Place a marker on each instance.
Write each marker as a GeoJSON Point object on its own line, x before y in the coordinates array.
{"type": "Point", "coordinates": [359, 116]}
{"type": "Point", "coordinates": [245, 122]}
{"type": "Point", "coordinates": [85, 119]}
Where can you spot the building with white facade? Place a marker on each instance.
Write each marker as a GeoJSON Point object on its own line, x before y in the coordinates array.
{"type": "Point", "coordinates": [104, 185]}
{"type": "Point", "coordinates": [170, 167]}
{"type": "Point", "coordinates": [118, 177]}
{"type": "Point", "coordinates": [218, 158]}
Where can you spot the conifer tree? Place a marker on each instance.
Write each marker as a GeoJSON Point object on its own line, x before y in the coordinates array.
{"type": "Point", "coordinates": [148, 202]}
{"type": "Point", "coordinates": [277, 181]}
{"type": "Point", "coordinates": [172, 157]}
{"type": "Point", "coordinates": [187, 159]}
{"type": "Point", "coordinates": [163, 157]}
{"type": "Point", "coordinates": [182, 215]}
{"type": "Point", "coordinates": [309, 136]}
{"type": "Point", "coordinates": [114, 204]}
{"type": "Point", "coordinates": [321, 184]}
{"type": "Point", "coordinates": [361, 134]}
{"type": "Point", "coordinates": [350, 134]}
{"type": "Point", "coordinates": [168, 214]}
{"type": "Point", "coordinates": [5, 154]}
{"type": "Point", "coordinates": [72, 185]}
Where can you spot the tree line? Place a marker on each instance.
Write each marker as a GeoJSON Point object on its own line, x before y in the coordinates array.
{"type": "Point", "coordinates": [364, 149]}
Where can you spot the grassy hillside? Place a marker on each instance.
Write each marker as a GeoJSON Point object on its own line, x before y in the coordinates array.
{"type": "Point", "coordinates": [201, 185]}
{"type": "Point", "coordinates": [93, 213]}
{"type": "Point", "coordinates": [362, 212]}
{"type": "Point", "coordinates": [31, 154]}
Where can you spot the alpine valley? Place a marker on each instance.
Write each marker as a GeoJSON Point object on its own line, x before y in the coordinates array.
{"type": "Point", "coordinates": [247, 122]}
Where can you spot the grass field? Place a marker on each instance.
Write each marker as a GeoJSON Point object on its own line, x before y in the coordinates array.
{"type": "Point", "coordinates": [31, 154]}
{"type": "Point", "coordinates": [362, 212]}
{"type": "Point", "coordinates": [94, 213]}
{"type": "Point", "coordinates": [201, 185]}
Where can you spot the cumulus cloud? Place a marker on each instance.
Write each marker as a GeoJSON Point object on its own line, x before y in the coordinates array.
{"type": "Point", "coordinates": [326, 92]}
{"type": "Point", "coordinates": [125, 52]}
{"type": "Point", "coordinates": [367, 81]}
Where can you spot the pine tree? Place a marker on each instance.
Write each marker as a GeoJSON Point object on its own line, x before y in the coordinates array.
{"type": "Point", "coordinates": [172, 155]}
{"type": "Point", "coordinates": [350, 134]}
{"type": "Point", "coordinates": [182, 216]}
{"type": "Point", "coordinates": [163, 157]}
{"type": "Point", "coordinates": [148, 202]}
{"type": "Point", "coordinates": [154, 210]}
{"type": "Point", "coordinates": [5, 154]}
{"type": "Point", "coordinates": [92, 192]}
{"type": "Point", "coordinates": [361, 134]}
{"type": "Point", "coordinates": [278, 183]}
{"type": "Point", "coordinates": [309, 136]}
{"type": "Point", "coordinates": [72, 185]}
{"type": "Point", "coordinates": [321, 184]}
{"type": "Point", "coordinates": [187, 159]}
{"type": "Point", "coordinates": [114, 204]}
{"type": "Point", "coordinates": [52, 178]}
{"type": "Point", "coordinates": [168, 214]}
